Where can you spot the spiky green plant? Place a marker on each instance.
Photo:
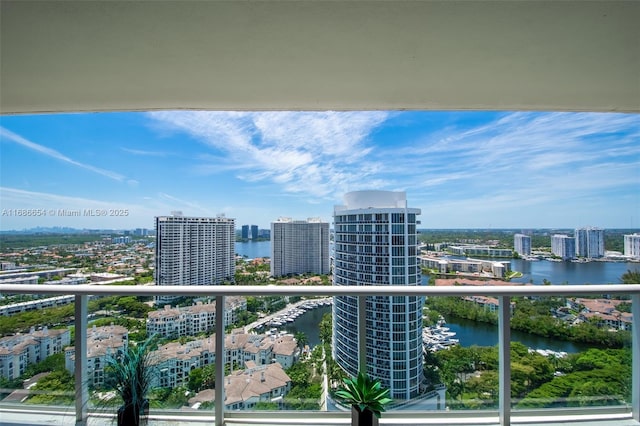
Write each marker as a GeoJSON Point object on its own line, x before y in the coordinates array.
{"type": "Point", "coordinates": [130, 375]}
{"type": "Point", "coordinates": [364, 393]}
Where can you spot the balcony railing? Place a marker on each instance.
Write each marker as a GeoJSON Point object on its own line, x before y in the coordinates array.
{"type": "Point", "coordinates": [504, 415]}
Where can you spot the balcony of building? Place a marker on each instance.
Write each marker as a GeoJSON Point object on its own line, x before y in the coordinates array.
{"type": "Point", "coordinates": [83, 412]}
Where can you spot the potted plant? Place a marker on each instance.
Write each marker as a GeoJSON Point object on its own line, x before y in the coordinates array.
{"type": "Point", "coordinates": [130, 375]}
{"type": "Point", "coordinates": [367, 398]}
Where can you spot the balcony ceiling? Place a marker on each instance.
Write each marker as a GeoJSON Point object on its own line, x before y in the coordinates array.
{"type": "Point", "coordinates": [59, 56]}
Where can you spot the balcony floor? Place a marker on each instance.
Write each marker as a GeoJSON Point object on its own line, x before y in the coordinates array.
{"type": "Point", "coordinates": [31, 417]}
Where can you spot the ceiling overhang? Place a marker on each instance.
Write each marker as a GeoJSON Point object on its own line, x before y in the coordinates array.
{"type": "Point", "coordinates": [62, 56]}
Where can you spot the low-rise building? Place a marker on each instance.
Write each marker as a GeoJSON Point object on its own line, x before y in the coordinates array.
{"type": "Point", "coordinates": [490, 304]}
{"type": "Point", "coordinates": [103, 344]}
{"type": "Point", "coordinates": [479, 250]}
{"type": "Point", "coordinates": [174, 361]}
{"type": "Point", "coordinates": [192, 320]}
{"type": "Point", "coordinates": [257, 383]}
{"type": "Point", "coordinates": [467, 266]}
{"type": "Point", "coordinates": [20, 350]}
{"type": "Point", "coordinates": [603, 311]}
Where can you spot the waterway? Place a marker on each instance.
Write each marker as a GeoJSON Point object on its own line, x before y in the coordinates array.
{"type": "Point", "coordinates": [481, 334]}
{"type": "Point", "coordinates": [255, 249]}
{"type": "Point", "coordinates": [469, 333]}
{"type": "Point", "coordinates": [535, 272]}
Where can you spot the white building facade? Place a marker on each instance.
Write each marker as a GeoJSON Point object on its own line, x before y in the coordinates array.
{"type": "Point", "coordinates": [192, 320]}
{"type": "Point", "coordinates": [632, 245]}
{"type": "Point", "coordinates": [299, 247]}
{"type": "Point", "coordinates": [375, 244]}
{"type": "Point", "coordinates": [522, 244]}
{"type": "Point", "coordinates": [17, 352]}
{"type": "Point", "coordinates": [193, 251]}
{"type": "Point", "coordinates": [563, 246]}
{"type": "Point", "coordinates": [589, 242]}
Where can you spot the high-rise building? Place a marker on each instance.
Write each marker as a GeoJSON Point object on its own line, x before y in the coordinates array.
{"type": "Point", "coordinates": [299, 247]}
{"type": "Point", "coordinates": [375, 244]}
{"type": "Point", "coordinates": [522, 244]}
{"type": "Point", "coordinates": [589, 242]}
{"type": "Point", "coordinates": [563, 246]}
{"type": "Point", "coordinates": [632, 245]}
{"type": "Point", "coordinates": [245, 232]}
{"type": "Point", "coordinates": [254, 232]}
{"type": "Point", "coordinates": [193, 251]}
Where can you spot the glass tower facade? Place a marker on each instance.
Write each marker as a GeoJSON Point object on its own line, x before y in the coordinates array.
{"type": "Point", "coordinates": [376, 244]}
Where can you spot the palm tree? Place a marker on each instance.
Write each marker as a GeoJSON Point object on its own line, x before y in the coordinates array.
{"type": "Point", "coordinates": [301, 338]}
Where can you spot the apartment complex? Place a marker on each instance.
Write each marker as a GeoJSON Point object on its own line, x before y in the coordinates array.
{"type": "Point", "coordinates": [257, 383]}
{"type": "Point", "coordinates": [563, 246]}
{"type": "Point", "coordinates": [192, 320]}
{"type": "Point", "coordinates": [193, 251]}
{"type": "Point", "coordinates": [17, 352]}
{"type": "Point", "coordinates": [468, 266]}
{"type": "Point", "coordinates": [174, 361]}
{"type": "Point", "coordinates": [522, 244]}
{"type": "Point", "coordinates": [589, 242]}
{"type": "Point", "coordinates": [375, 244]}
{"type": "Point", "coordinates": [103, 344]}
{"type": "Point", "coordinates": [632, 245]}
{"type": "Point", "coordinates": [478, 250]}
{"type": "Point", "coordinates": [299, 247]}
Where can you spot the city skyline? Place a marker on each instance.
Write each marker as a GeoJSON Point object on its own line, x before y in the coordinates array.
{"type": "Point", "coordinates": [463, 169]}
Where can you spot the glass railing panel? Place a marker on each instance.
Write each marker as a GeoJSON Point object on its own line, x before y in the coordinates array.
{"type": "Point", "coordinates": [461, 354]}
{"type": "Point", "coordinates": [36, 329]}
{"type": "Point", "coordinates": [280, 355]}
{"type": "Point", "coordinates": [583, 358]}
{"type": "Point", "coordinates": [562, 355]}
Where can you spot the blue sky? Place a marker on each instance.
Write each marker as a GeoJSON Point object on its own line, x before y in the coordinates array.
{"type": "Point", "coordinates": [463, 169]}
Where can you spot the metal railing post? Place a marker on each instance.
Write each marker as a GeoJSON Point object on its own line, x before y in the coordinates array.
{"type": "Point", "coordinates": [80, 367]}
{"type": "Point", "coordinates": [504, 357]}
{"type": "Point", "coordinates": [362, 334]}
{"type": "Point", "coordinates": [220, 359]}
{"type": "Point", "coordinates": [635, 356]}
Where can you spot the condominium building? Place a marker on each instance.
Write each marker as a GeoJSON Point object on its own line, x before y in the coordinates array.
{"type": "Point", "coordinates": [632, 245]}
{"type": "Point", "coordinates": [478, 250]}
{"type": "Point", "coordinates": [257, 383]}
{"type": "Point", "coordinates": [589, 242]}
{"type": "Point", "coordinates": [563, 246]}
{"type": "Point", "coordinates": [299, 247]}
{"type": "Point", "coordinates": [244, 233]}
{"type": "Point", "coordinates": [174, 361]}
{"type": "Point", "coordinates": [375, 244]}
{"type": "Point", "coordinates": [103, 344]}
{"type": "Point", "coordinates": [192, 320]}
{"type": "Point", "coordinates": [17, 352]}
{"type": "Point", "coordinates": [522, 244]}
{"type": "Point", "coordinates": [193, 251]}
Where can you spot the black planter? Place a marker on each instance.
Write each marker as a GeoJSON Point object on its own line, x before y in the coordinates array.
{"type": "Point", "coordinates": [363, 418]}
{"type": "Point", "coordinates": [133, 415]}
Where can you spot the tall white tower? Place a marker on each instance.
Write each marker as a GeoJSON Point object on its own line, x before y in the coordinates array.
{"type": "Point", "coordinates": [299, 247]}
{"type": "Point", "coordinates": [589, 242]}
{"type": "Point", "coordinates": [375, 244]}
{"type": "Point", "coordinates": [522, 244]}
{"type": "Point", "coordinates": [194, 251]}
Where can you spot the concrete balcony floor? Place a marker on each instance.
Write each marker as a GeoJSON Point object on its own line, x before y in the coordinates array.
{"type": "Point", "coordinates": [57, 416]}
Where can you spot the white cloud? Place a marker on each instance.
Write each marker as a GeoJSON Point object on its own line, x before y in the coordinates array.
{"type": "Point", "coordinates": [5, 133]}
{"type": "Point", "coordinates": [303, 152]}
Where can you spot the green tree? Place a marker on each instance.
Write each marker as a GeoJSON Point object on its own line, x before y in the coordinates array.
{"type": "Point", "coordinates": [301, 339]}
{"type": "Point", "coordinates": [631, 277]}
{"type": "Point", "coordinates": [326, 328]}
